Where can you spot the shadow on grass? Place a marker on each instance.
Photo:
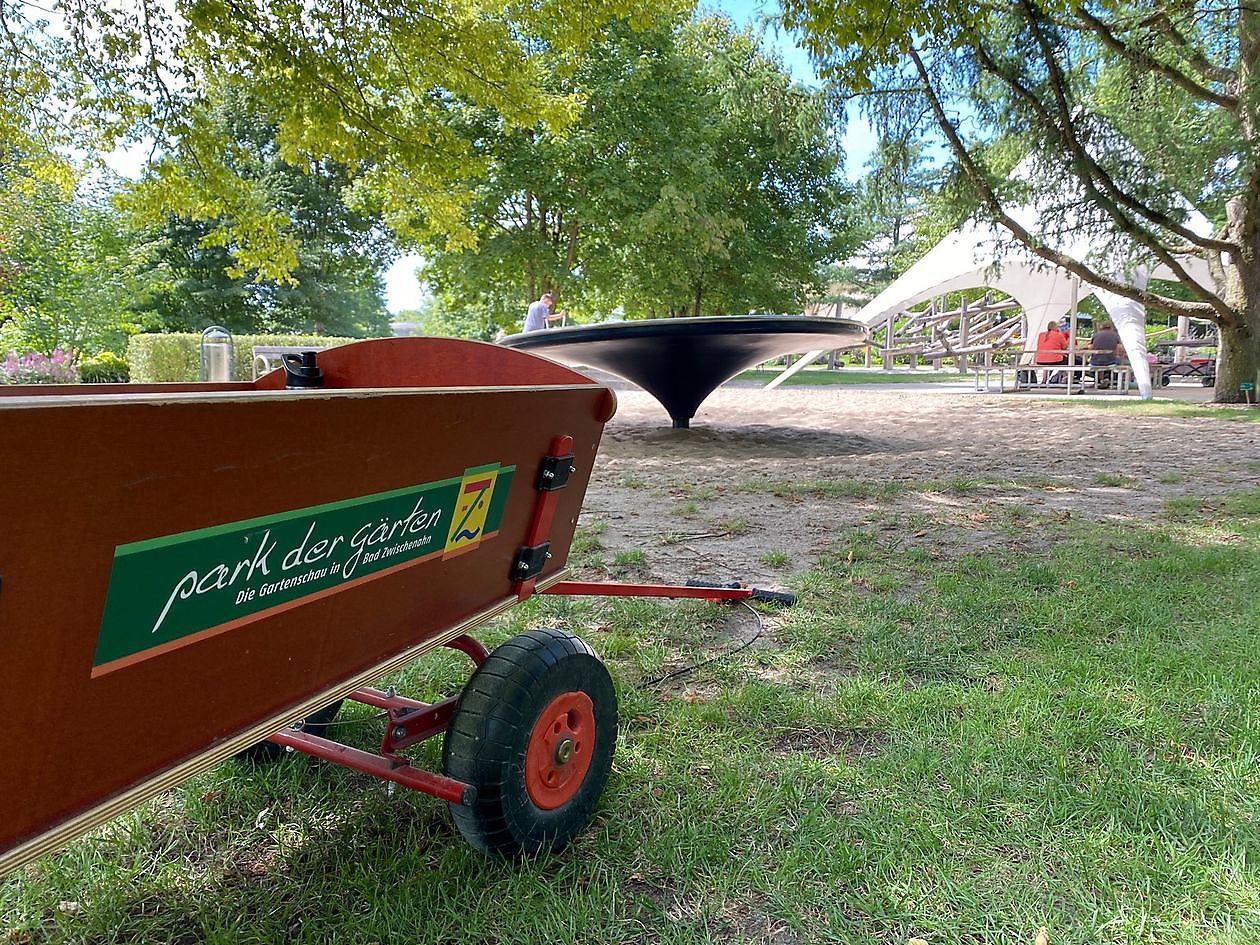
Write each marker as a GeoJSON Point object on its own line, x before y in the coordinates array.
{"type": "Point", "coordinates": [1012, 739]}
{"type": "Point", "coordinates": [746, 441]}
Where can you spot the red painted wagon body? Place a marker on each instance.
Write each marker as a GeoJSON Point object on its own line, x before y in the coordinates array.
{"type": "Point", "coordinates": [188, 572]}
{"type": "Point", "coordinates": [186, 569]}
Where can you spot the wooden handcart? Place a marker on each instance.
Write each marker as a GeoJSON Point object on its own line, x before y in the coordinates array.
{"type": "Point", "coordinates": [188, 570]}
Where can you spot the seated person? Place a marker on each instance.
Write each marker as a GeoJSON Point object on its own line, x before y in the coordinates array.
{"type": "Point", "coordinates": [1106, 345]}
{"type": "Point", "coordinates": [1107, 350]}
{"type": "Point", "coordinates": [1051, 348]}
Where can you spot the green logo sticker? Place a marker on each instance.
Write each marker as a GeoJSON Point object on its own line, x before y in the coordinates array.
{"type": "Point", "coordinates": [165, 591]}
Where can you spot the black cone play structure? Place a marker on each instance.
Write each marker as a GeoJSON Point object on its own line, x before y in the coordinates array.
{"type": "Point", "coordinates": [680, 361]}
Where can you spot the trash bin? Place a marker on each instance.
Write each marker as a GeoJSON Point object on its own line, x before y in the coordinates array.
{"type": "Point", "coordinates": [216, 354]}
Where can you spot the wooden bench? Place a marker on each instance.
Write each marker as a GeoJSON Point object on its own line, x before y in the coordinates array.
{"type": "Point", "coordinates": [1121, 376]}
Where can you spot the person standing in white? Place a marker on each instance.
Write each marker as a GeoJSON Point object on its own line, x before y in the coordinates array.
{"type": "Point", "coordinates": [536, 320]}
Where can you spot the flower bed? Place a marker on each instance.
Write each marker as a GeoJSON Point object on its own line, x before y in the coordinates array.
{"type": "Point", "coordinates": [38, 368]}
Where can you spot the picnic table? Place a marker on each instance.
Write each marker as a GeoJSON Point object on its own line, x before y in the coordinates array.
{"type": "Point", "coordinates": [1073, 377]}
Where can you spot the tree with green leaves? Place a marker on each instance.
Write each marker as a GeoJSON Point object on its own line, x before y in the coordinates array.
{"type": "Point", "coordinates": [70, 268]}
{"type": "Point", "coordinates": [890, 209]}
{"type": "Point", "coordinates": [66, 265]}
{"type": "Point", "coordinates": [1134, 113]}
{"type": "Point", "coordinates": [335, 286]}
{"type": "Point", "coordinates": [698, 178]}
{"type": "Point", "coordinates": [366, 86]}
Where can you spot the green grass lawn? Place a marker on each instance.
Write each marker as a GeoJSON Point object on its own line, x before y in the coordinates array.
{"type": "Point", "coordinates": [959, 749]}
{"type": "Point", "coordinates": [812, 376]}
{"type": "Point", "coordinates": [1173, 408]}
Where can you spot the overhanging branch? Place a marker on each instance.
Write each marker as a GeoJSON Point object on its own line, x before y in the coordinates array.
{"type": "Point", "coordinates": [994, 206]}
{"type": "Point", "coordinates": [1162, 23]}
{"type": "Point", "coordinates": [1145, 60]}
{"type": "Point", "coordinates": [1070, 143]}
{"type": "Point", "coordinates": [1088, 170]}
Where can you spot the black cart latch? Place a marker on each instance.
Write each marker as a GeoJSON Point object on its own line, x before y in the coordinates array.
{"type": "Point", "coordinates": [554, 472]}
{"type": "Point", "coordinates": [529, 561]}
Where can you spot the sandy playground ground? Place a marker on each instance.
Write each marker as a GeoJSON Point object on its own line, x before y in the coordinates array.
{"type": "Point", "coordinates": [765, 481]}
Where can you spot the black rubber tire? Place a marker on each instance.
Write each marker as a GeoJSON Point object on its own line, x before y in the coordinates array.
{"type": "Point", "coordinates": [490, 730]}
{"type": "Point", "coordinates": [266, 752]}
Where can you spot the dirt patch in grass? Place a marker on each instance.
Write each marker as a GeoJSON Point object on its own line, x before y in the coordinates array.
{"type": "Point", "coordinates": [949, 473]}
{"type": "Point", "coordinates": [748, 919]}
{"type": "Point", "coordinates": [743, 918]}
{"type": "Point", "coordinates": [853, 745]}
{"type": "Point", "coordinates": [662, 893]}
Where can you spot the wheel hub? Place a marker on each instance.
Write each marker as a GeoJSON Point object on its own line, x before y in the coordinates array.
{"type": "Point", "coordinates": [558, 755]}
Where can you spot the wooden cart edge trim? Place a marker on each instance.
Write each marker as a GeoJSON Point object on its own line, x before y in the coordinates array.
{"type": "Point", "coordinates": [250, 395]}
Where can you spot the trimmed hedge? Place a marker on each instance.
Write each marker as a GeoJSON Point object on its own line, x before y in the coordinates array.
{"type": "Point", "coordinates": [176, 357]}
{"type": "Point", "coordinates": [104, 368]}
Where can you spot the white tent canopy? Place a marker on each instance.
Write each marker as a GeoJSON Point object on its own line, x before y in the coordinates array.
{"type": "Point", "coordinates": [979, 255]}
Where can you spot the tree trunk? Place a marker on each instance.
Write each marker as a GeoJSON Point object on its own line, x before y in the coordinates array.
{"type": "Point", "coordinates": [695, 312]}
{"type": "Point", "coordinates": [1238, 362]}
{"type": "Point", "coordinates": [531, 276]}
{"type": "Point", "coordinates": [1238, 357]}
{"type": "Point", "coordinates": [570, 256]}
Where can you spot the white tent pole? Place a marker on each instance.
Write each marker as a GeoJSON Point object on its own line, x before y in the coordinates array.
{"type": "Point", "coordinates": [1129, 319]}
{"type": "Point", "coordinates": [1076, 299]}
{"type": "Point", "coordinates": [806, 360]}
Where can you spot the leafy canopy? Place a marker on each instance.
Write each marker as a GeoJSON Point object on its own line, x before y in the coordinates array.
{"type": "Point", "coordinates": [365, 85]}
{"type": "Point", "coordinates": [335, 285]}
{"type": "Point", "coordinates": [70, 263]}
{"type": "Point", "coordinates": [696, 179]}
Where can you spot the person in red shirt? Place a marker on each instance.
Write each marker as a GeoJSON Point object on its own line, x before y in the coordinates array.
{"type": "Point", "coordinates": [1052, 345]}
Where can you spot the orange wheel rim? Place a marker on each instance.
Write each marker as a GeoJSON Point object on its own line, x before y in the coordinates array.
{"type": "Point", "coordinates": [559, 751]}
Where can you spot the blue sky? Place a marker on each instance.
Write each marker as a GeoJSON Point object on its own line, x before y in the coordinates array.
{"type": "Point", "coordinates": [403, 291]}
{"type": "Point", "coordinates": [743, 12]}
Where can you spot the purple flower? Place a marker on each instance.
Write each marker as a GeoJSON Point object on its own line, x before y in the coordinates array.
{"type": "Point", "coordinates": [38, 368]}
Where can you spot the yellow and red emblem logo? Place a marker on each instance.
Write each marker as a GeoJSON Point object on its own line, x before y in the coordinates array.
{"type": "Point", "coordinates": [468, 524]}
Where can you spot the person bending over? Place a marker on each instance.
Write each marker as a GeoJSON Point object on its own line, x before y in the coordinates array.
{"type": "Point", "coordinates": [536, 318]}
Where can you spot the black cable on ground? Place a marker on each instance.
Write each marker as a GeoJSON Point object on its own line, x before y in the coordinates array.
{"type": "Point", "coordinates": [725, 654]}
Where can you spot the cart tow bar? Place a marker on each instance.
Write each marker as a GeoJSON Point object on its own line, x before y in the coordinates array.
{"type": "Point", "coordinates": [407, 722]}
{"type": "Point", "coordinates": [703, 590]}
{"type": "Point", "coordinates": [397, 770]}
